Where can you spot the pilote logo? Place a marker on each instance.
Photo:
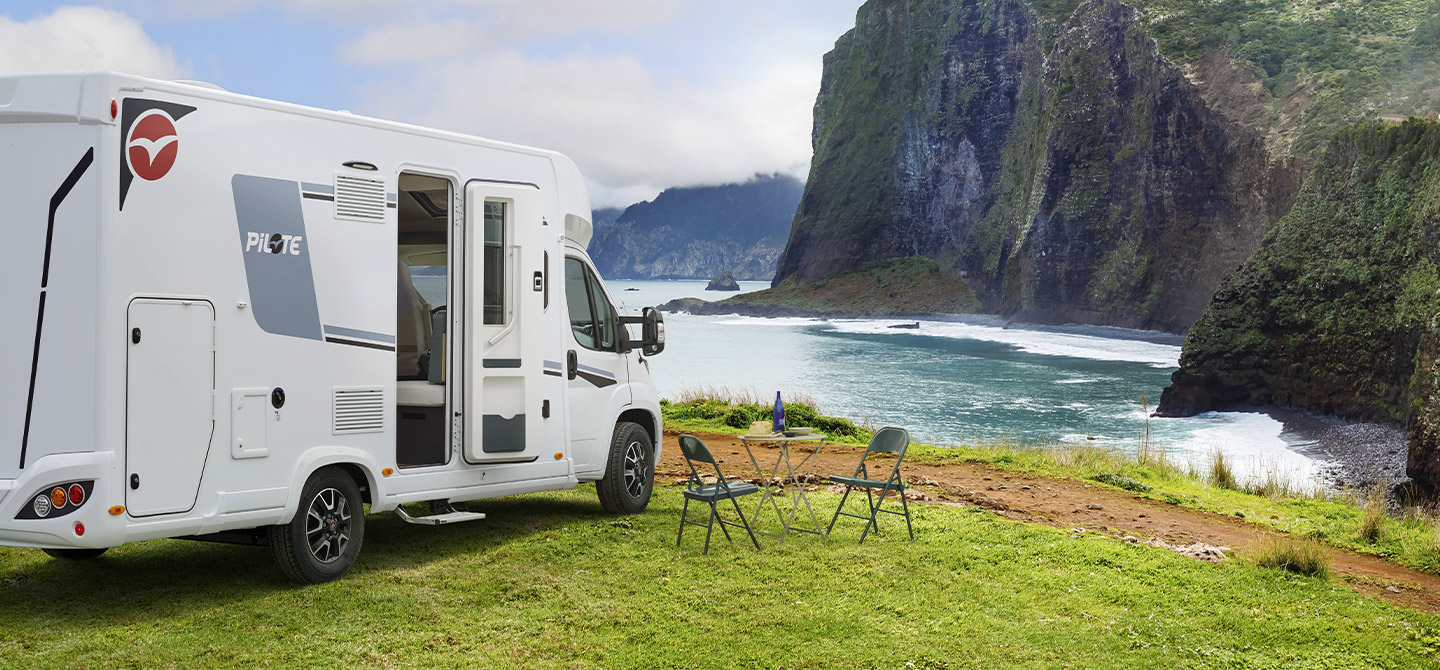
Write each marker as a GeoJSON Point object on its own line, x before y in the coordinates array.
{"type": "Point", "coordinates": [153, 145]}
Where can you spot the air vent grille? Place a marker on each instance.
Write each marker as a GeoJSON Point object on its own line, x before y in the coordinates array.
{"type": "Point", "coordinates": [359, 410]}
{"type": "Point", "coordinates": [359, 198]}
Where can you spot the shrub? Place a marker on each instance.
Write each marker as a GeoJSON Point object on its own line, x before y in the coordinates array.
{"type": "Point", "coordinates": [1304, 557]}
{"type": "Point", "coordinates": [1373, 511]}
{"type": "Point", "coordinates": [1120, 481]}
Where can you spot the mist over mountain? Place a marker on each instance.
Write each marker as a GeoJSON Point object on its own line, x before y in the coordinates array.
{"type": "Point", "coordinates": [699, 232]}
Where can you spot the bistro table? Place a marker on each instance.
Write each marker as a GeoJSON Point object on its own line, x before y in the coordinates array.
{"type": "Point", "coordinates": [772, 483]}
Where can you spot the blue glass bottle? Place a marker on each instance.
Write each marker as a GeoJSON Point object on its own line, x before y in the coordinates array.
{"type": "Point", "coordinates": [779, 414]}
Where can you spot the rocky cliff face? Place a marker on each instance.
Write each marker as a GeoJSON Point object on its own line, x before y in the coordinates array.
{"type": "Point", "coordinates": [1053, 155]}
{"type": "Point", "coordinates": [699, 233]}
{"type": "Point", "coordinates": [1339, 310]}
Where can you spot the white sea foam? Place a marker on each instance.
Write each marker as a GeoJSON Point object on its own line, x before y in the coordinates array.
{"type": "Point", "coordinates": [1250, 441]}
{"type": "Point", "coordinates": [1045, 343]}
{"type": "Point", "coordinates": [760, 321]}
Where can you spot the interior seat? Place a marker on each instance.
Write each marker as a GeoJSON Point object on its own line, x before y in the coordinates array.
{"type": "Point", "coordinates": [413, 328]}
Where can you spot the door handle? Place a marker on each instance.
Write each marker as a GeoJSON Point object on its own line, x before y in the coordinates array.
{"type": "Point", "coordinates": [572, 365]}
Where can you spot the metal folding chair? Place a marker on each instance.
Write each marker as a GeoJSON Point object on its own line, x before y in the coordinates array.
{"type": "Point", "coordinates": [886, 441]}
{"type": "Point", "coordinates": [723, 489]}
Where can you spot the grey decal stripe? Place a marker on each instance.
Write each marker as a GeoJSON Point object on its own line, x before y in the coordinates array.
{"type": "Point", "coordinates": [554, 373]}
{"type": "Point", "coordinates": [597, 371]}
{"type": "Point", "coordinates": [359, 334]}
{"type": "Point", "coordinates": [318, 189]}
{"type": "Point", "coordinates": [502, 363]}
{"type": "Point", "coordinates": [318, 196]}
{"type": "Point", "coordinates": [60, 194]}
{"type": "Point", "coordinates": [277, 264]}
{"type": "Point", "coordinates": [598, 381]}
{"type": "Point", "coordinates": [362, 345]}
{"type": "Point", "coordinates": [554, 365]}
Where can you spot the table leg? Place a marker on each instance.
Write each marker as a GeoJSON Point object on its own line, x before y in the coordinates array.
{"type": "Point", "coordinates": [766, 492]}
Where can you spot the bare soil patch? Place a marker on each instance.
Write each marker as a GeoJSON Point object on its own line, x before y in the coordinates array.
{"type": "Point", "coordinates": [1071, 504]}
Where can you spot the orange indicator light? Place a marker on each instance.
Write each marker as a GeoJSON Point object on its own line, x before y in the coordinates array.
{"type": "Point", "coordinates": [559, 455]}
{"type": "Point", "coordinates": [117, 510]}
{"type": "Point", "coordinates": [388, 471]}
{"type": "Point", "coordinates": [57, 498]}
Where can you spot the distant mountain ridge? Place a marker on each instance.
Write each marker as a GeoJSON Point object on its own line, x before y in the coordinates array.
{"type": "Point", "coordinates": [699, 232]}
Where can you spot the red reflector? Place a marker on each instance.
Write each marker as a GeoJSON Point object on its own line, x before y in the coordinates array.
{"type": "Point", "coordinates": [77, 494]}
{"type": "Point", "coordinates": [114, 110]}
{"type": "Point", "coordinates": [79, 528]}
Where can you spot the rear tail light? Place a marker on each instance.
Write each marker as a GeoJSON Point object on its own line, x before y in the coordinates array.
{"type": "Point", "coordinates": [57, 500]}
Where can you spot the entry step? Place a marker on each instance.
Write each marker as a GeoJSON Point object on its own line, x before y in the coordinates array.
{"type": "Point", "coordinates": [446, 514]}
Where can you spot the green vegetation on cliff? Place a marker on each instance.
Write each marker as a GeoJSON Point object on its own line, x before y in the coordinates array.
{"type": "Point", "coordinates": [1338, 309]}
{"type": "Point", "coordinates": [1097, 161]}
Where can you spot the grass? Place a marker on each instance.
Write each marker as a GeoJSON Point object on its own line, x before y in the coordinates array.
{"type": "Point", "coordinates": [549, 581]}
{"type": "Point", "coordinates": [1374, 507]}
{"type": "Point", "coordinates": [1300, 556]}
{"type": "Point", "coordinates": [1411, 539]}
{"type": "Point", "coordinates": [1221, 476]}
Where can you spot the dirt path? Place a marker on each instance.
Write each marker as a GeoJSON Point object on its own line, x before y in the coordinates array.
{"type": "Point", "coordinates": [1067, 504]}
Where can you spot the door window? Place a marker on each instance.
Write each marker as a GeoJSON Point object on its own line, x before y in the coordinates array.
{"type": "Point", "coordinates": [494, 290]}
{"type": "Point", "coordinates": [592, 319]}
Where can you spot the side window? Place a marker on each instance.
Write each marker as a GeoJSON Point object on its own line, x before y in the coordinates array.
{"type": "Point", "coordinates": [577, 297]}
{"type": "Point", "coordinates": [494, 288]}
{"type": "Point", "coordinates": [604, 314]}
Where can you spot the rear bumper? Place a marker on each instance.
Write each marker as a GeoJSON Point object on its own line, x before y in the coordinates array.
{"type": "Point", "coordinates": [101, 529]}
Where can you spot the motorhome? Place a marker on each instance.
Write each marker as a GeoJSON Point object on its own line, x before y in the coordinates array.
{"type": "Point", "coordinates": [240, 320]}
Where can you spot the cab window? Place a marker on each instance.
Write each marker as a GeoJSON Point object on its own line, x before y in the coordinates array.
{"type": "Point", "coordinates": [592, 319]}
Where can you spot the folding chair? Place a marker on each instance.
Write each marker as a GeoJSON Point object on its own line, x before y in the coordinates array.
{"type": "Point", "coordinates": [696, 452]}
{"type": "Point", "coordinates": [888, 441]}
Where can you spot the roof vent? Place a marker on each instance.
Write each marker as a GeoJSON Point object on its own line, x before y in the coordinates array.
{"type": "Point", "coordinates": [359, 198]}
{"type": "Point", "coordinates": [359, 410]}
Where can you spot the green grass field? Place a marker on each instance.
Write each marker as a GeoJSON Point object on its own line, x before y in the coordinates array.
{"type": "Point", "coordinates": [549, 581]}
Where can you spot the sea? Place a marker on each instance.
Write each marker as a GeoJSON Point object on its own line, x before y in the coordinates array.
{"type": "Point", "coordinates": [957, 380]}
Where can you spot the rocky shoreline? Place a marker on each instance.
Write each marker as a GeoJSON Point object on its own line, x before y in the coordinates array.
{"type": "Point", "coordinates": [1360, 454]}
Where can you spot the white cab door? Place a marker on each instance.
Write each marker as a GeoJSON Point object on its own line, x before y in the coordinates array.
{"type": "Point", "coordinates": [596, 371]}
{"type": "Point", "coordinates": [170, 403]}
{"type": "Point", "coordinates": [504, 311]}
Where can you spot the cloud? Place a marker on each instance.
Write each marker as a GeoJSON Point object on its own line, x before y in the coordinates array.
{"type": "Point", "coordinates": [631, 133]}
{"type": "Point", "coordinates": [643, 94]}
{"type": "Point", "coordinates": [83, 38]}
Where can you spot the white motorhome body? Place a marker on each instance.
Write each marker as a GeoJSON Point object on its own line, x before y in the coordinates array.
{"type": "Point", "coordinates": [215, 323]}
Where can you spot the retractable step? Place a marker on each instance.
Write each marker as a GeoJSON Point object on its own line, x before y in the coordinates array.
{"type": "Point", "coordinates": [446, 514]}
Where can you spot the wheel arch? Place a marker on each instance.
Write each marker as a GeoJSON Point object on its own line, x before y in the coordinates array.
{"type": "Point", "coordinates": [647, 421]}
{"type": "Point", "coordinates": [355, 464]}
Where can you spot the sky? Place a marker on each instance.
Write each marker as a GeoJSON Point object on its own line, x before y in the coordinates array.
{"type": "Point", "coordinates": [643, 94]}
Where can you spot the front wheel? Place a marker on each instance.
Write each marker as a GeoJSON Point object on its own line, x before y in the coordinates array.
{"type": "Point", "coordinates": [323, 540]}
{"type": "Point", "coordinates": [75, 554]}
{"type": "Point", "coordinates": [629, 471]}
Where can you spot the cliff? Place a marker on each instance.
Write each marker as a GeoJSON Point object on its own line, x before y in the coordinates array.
{"type": "Point", "coordinates": [1339, 310]}
{"type": "Point", "coordinates": [701, 232]}
{"type": "Point", "coordinates": [1068, 165]}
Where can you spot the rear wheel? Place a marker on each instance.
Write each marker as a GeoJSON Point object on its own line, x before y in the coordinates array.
{"type": "Point", "coordinates": [323, 540]}
{"type": "Point", "coordinates": [75, 554]}
{"type": "Point", "coordinates": [629, 471]}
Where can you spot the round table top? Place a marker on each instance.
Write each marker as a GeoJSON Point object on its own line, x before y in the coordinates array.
{"type": "Point", "coordinates": [778, 437]}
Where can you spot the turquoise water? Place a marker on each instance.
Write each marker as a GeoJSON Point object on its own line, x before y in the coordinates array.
{"type": "Point", "coordinates": [949, 382]}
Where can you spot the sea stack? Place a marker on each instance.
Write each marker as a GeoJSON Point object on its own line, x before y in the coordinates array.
{"type": "Point", "coordinates": [725, 282]}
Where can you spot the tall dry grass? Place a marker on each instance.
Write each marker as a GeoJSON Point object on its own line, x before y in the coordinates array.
{"type": "Point", "coordinates": [1301, 556]}
{"type": "Point", "coordinates": [742, 395]}
{"type": "Point", "coordinates": [1221, 475]}
{"type": "Point", "coordinates": [1374, 509]}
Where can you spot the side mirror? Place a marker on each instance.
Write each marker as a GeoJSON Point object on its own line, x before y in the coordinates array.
{"type": "Point", "coordinates": [653, 329]}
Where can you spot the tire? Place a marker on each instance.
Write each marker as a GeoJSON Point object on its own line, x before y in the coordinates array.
{"type": "Point", "coordinates": [75, 554]}
{"type": "Point", "coordinates": [323, 540]}
{"type": "Point", "coordinates": [629, 471]}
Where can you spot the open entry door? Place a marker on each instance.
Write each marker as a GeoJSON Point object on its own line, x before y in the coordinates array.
{"type": "Point", "coordinates": [504, 355]}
